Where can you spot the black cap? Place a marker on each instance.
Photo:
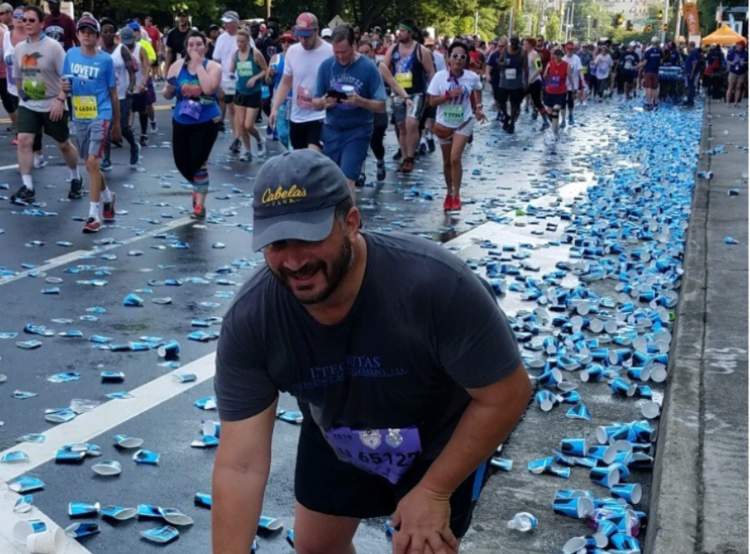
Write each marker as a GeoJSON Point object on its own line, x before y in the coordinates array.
{"type": "Point", "coordinates": [295, 196]}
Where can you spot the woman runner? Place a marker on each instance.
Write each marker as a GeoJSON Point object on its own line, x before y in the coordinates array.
{"type": "Point", "coordinates": [457, 93]}
{"type": "Point", "coordinates": [195, 81]}
{"type": "Point", "coordinates": [273, 77]}
{"type": "Point", "coordinates": [250, 66]}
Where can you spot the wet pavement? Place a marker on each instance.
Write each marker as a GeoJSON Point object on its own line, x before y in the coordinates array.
{"type": "Point", "coordinates": [156, 252]}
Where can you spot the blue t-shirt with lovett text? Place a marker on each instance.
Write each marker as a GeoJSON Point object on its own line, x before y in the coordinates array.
{"type": "Point", "coordinates": [360, 76]}
{"type": "Point", "coordinates": [92, 77]}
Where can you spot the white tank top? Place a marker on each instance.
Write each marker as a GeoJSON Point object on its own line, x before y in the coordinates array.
{"type": "Point", "coordinates": [139, 70]}
{"type": "Point", "coordinates": [532, 68]}
{"type": "Point", "coordinates": [8, 52]}
{"type": "Point", "coordinates": [122, 78]}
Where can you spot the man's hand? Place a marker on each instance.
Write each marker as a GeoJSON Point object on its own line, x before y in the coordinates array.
{"type": "Point", "coordinates": [458, 91]}
{"type": "Point", "coordinates": [330, 101]}
{"type": "Point", "coordinates": [480, 115]}
{"type": "Point", "coordinates": [116, 132]}
{"type": "Point", "coordinates": [352, 99]}
{"type": "Point", "coordinates": [272, 118]}
{"type": "Point", "coordinates": [66, 86]}
{"type": "Point", "coordinates": [56, 113]}
{"type": "Point", "coordinates": [422, 523]}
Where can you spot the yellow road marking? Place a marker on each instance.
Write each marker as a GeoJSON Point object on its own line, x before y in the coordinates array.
{"type": "Point", "coordinates": [156, 109]}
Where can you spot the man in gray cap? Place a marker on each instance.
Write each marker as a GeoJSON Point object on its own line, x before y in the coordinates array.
{"type": "Point", "coordinates": [406, 372]}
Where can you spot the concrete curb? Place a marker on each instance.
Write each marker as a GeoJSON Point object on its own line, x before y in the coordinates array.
{"type": "Point", "coordinates": [674, 518]}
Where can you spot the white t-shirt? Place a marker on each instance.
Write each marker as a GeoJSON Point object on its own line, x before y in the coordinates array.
{"type": "Point", "coordinates": [224, 49]}
{"type": "Point", "coordinates": [439, 60]}
{"type": "Point", "coordinates": [122, 77]}
{"type": "Point", "coordinates": [576, 66]}
{"type": "Point", "coordinates": [302, 66]}
{"type": "Point", "coordinates": [603, 65]}
{"type": "Point", "coordinates": [457, 110]}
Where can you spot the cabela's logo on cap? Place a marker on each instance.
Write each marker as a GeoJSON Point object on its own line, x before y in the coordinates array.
{"type": "Point", "coordinates": [284, 195]}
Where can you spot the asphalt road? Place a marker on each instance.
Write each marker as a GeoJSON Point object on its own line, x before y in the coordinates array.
{"type": "Point", "coordinates": [153, 241]}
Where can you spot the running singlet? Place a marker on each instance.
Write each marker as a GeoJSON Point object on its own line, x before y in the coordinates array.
{"type": "Point", "coordinates": [246, 70]}
{"type": "Point", "coordinates": [8, 51]}
{"type": "Point", "coordinates": [409, 71]}
{"type": "Point", "coordinates": [557, 77]}
{"type": "Point", "coordinates": [535, 64]}
{"type": "Point", "coordinates": [511, 74]}
{"type": "Point", "coordinates": [192, 105]}
{"type": "Point", "coordinates": [122, 76]}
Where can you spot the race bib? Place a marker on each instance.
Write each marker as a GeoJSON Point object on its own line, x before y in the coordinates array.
{"type": "Point", "coordinates": [191, 108]}
{"type": "Point", "coordinates": [453, 113]}
{"type": "Point", "coordinates": [229, 86]}
{"type": "Point", "coordinates": [385, 452]}
{"type": "Point", "coordinates": [405, 79]}
{"type": "Point", "coordinates": [510, 73]}
{"type": "Point", "coordinates": [585, 70]}
{"type": "Point", "coordinates": [245, 69]}
{"type": "Point", "coordinates": [538, 64]}
{"type": "Point", "coordinates": [304, 98]}
{"type": "Point", "coordinates": [554, 80]}
{"type": "Point", "coordinates": [84, 107]}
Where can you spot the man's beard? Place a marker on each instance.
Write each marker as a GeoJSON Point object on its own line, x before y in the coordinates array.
{"type": "Point", "coordinates": [334, 274]}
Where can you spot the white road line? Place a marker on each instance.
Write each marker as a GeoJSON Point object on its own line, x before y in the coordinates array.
{"type": "Point", "coordinates": [82, 429]}
{"type": "Point", "coordinates": [4, 167]}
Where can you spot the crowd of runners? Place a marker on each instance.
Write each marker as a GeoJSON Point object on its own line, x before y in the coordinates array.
{"type": "Point", "coordinates": [84, 84]}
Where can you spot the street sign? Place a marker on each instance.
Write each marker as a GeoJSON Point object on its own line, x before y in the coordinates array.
{"type": "Point", "coordinates": [335, 22]}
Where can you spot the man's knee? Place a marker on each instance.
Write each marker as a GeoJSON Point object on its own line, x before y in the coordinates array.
{"type": "Point", "coordinates": [25, 140]}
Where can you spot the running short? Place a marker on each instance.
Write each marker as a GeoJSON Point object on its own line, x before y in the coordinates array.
{"type": "Point", "coordinates": [91, 137]}
{"type": "Point", "coordinates": [32, 122]}
{"type": "Point", "coordinates": [10, 102]}
{"type": "Point", "coordinates": [252, 101]}
{"type": "Point", "coordinates": [553, 100]}
{"type": "Point", "coordinates": [347, 148]}
{"type": "Point", "coordinates": [628, 76]}
{"type": "Point", "coordinates": [150, 92]}
{"type": "Point", "coordinates": [514, 95]}
{"type": "Point", "coordinates": [651, 80]}
{"type": "Point", "coordinates": [325, 484]}
{"type": "Point", "coordinates": [302, 135]}
{"type": "Point", "coordinates": [467, 130]}
{"type": "Point", "coordinates": [738, 79]}
{"type": "Point", "coordinates": [401, 112]}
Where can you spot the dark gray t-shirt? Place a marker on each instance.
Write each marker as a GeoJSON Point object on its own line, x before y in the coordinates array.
{"type": "Point", "coordinates": [422, 330]}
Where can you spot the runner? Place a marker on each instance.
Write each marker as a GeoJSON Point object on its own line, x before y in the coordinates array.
{"type": "Point", "coordinates": [195, 82]}
{"type": "Point", "coordinates": [175, 43]}
{"type": "Point", "coordinates": [511, 84]}
{"type": "Point", "coordinates": [603, 63]}
{"type": "Point", "coordinates": [269, 46]}
{"type": "Point", "coordinates": [574, 85]}
{"type": "Point", "coordinates": [125, 77]}
{"type": "Point", "coordinates": [154, 37]}
{"type": "Point", "coordinates": [558, 76]}
{"type": "Point", "coordinates": [493, 70]}
{"type": "Point", "coordinates": [411, 65]}
{"type": "Point", "coordinates": [650, 68]}
{"type": "Point", "coordinates": [226, 46]}
{"type": "Point", "coordinates": [340, 324]}
{"type": "Point", "coordinates": [15, 34]}
{"type": "Point", "coordinates": [693, 69]}
{"type": "Point", "coordinates": [300, 75]}
{"type": "Point", "coordinates": [534, 83]}
{"type": "Point", "coordinates": [273, 75]}
{"type": "Point", "coordinates": [350, 89]}
{"type": "Point", "coordinates": [588, 77]}
{"type": "Point", "coordinates": [60, 26]}
{"type": "Point", "coordinates": [737, 61]}
{"type": "Point", "coordinates": [144, 95]}
{"type": "Point", "coordinates": [145, 44]}
{"type": "Point", "coordinates": [90, 82]}
{"type": "Point", "coordinates": [380, 120]}
{"type": "Point", "coordinates": [37, 70]}
{"type": "Point", "coordinates": [10, 104]}
{"type": "Point", "coordinates": [250, 67]}
{"type": "Point", "coordinates": [629, 68]}
{"type": "Point", "coordinates": [457, 93]}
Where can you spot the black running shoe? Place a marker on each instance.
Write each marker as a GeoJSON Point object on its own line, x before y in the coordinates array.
{"type": "Point", "coordinates": [76, 189]}
{"type": "Point", "coordinates": [24, 194]}
{"type": "Point", "coordinates": [397, 156]}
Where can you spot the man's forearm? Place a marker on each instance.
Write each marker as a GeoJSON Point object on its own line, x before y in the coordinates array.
{"type": "Point", "coordinates": [480, 430]}
{"type": "Point", "coordinates": [237, 500]}
{"type": "Point", "coordinates": [280, 94]}
{"type": "Point", "coordinates": [375, 106]}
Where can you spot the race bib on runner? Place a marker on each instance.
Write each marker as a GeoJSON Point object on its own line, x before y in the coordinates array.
{"type": "Point", "coordinates": [84, 107]}
{"type": "Point", "coordinates": [191, 108]}
{"type": "Point", "coordinates": [245, 69]}
{"type": "Point", "coordinates": [453, 113]}
{"type": "Point", "coordinates": [229, 86]}
{"type": "Point", "coordinates": [405, 79]}
{"type": "Point", "coordinates": [385, 452]}
{"type": "Point", "coordinates": [510, 73]}
{"type": "Point", "coordinates": [554, 80]}
{"type": "Point", "coordinates": [304, 98]}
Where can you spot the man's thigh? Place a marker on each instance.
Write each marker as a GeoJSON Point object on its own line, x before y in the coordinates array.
{"type": "Point", "coordinates": [315, 532]}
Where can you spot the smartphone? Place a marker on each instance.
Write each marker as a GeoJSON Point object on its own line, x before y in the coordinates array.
{"type": "Point", "coordinates": [337, 94]}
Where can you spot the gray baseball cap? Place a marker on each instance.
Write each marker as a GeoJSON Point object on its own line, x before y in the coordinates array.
{"type": "Point", "coordinates": [230, 17]}
{"type": "Point", "coordinates": [295, 197]}
{"type": "Point", "coordinates": [127, 36]}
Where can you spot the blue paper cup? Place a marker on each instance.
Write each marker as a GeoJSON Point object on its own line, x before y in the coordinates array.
{"type": "Point", "coordinates": [605, 476]}
{"type": "Point", "coordinates": [118, 513]}
{"type": "Point", "coordinates": [573, 447]}
{"type": "Point", "coordinates": [592, 374]}
{"type": "Point", "coordinates": [545, 400]}
{"type": "Point", "coordinates": [578, 507]}
{"type": "Point", "coordinates": [170, 350]}
{"type": "Point", "coordinates": [550, 378]}
{"type": "Point", "coordinates": [644, 432]}
{"type": "Point", "coordinates": [537, 467]}
{"type": "Point", "coordinates": [631, 493]}
{"type": "Point", "coordinates": [211, 428]}
{"type": "Point", "coordinates": [605, 433]}
{"type": "Point", "coordinates": [622, 387]}
{"type": "Point", "coordinates": [624, 542]}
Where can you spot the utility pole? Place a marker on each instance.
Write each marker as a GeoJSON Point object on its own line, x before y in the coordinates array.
{"type": "Point", "coordinates": [678, 23]}
{"type": "Point", "coordinates": [510, 24]}
{"type": "Point", "coordinates": [588, 28]}
{"type": "Point", "coordinates": [665, 19]}
{"type": "Point", "coordinates": [476, 21]}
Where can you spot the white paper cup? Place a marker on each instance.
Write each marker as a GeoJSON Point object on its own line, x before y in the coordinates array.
{"type": "Point", "coordinates": [651, 410]}
{"type": "Point", "coordinates": [48, 542]}
{"type": "Point", "coordinates": [22, 529]}
{"type": "Point", "coordinates": [107, 469]}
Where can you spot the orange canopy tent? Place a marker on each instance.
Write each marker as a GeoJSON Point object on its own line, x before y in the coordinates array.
{"type": "Point", "coordinates": [723, 36]}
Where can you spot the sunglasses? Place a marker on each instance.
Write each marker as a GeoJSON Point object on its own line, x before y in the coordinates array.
{"type": "Point", "coordinates": [458, 56]}
{"type": "Point", "coordinates": [27, 20]}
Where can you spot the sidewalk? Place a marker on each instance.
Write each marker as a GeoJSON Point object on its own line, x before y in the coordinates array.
{"type": "Point", "coordinates": [700, 487]}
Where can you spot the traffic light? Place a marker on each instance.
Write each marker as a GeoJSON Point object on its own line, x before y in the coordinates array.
{"type": "Point", "coordinates": [648, 28]}
{"type": "Point", "coordinates": [619, 20]}
{"type": "Point", "coordinates": [629, 25]}
{"type": "Point", "coordinates": [664, 27]}
{"type": "Point", "coordinates": [661, 15]}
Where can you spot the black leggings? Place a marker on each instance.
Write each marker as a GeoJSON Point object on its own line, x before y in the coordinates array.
{"type": "Point", "coordinates": [376, 142]}
{"type": "Point", "coordinates": [191, 146]}
{"type": "Point", "coordinates": [10, 102]}
{"type": "Point", "coordinates": [535, 93]}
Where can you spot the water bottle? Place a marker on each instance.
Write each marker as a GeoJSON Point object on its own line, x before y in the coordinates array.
{"type": "Point", "coordinates": [523, 522]}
